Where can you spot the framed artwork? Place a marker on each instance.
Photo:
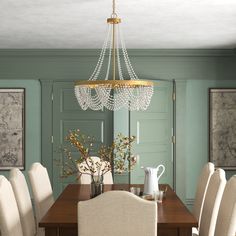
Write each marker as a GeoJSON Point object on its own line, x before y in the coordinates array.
{"type": "Point", "coordinates": [12, 113]}
{"type": "Point", "coordinates": [222, 124]}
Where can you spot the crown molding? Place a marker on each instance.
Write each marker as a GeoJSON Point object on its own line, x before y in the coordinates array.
{"type": "Point", "coordinates": [131, 52]}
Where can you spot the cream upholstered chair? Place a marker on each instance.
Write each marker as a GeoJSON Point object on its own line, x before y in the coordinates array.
{"type": "Point", "coordinates": [226, 220]}
{"type": "Point", "coordinates": [117, 213]}
{"type": "Point", "coordinates": [202, 185]}
{"type": "Point", "coordinates": [211, 203]}
{"type": "Point", "coordinates": [86, 178]}
{"type": "Point", "coordinates": [42, 191]}
{"type": "Point", "coordinates": [23, 200]}
{"type": "Point", "coordinates": [9, 215]}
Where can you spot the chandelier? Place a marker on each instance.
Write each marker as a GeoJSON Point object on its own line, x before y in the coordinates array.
{"type": "Point", "coordinates": [120, 86]}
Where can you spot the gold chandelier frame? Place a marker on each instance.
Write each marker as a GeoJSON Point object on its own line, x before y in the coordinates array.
{"type": "Point", "coordinates": [115, 83]}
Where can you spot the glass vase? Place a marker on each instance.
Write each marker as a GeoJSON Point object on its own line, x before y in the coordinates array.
{"type": "Point", "coordinates": [96, 186]}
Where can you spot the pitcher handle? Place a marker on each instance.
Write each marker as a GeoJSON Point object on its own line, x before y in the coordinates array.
{"type": "Point", "coordinates": [162, 172]}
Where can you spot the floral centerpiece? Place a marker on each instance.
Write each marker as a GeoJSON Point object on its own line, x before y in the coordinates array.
{"type": "Point", "coordinates": [117, 157]}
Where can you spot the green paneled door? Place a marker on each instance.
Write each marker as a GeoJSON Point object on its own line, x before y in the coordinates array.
{"type": "Point", "coordinates": [153, 129]}
{"type": "Point", "coordinates": [67, 115]}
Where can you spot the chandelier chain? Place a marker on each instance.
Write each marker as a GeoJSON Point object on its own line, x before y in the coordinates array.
{"type": "Point", "coordinates": [118, 59]}
{"type": "Point", "coordinates": [113, 7]}
{"type": "Point", "coordinates": [101, 57]}
{"type": "Point", "coordinates": [109, 59]}
{"type": "Point", "coordinates": [129, 67]}
{"type": "Point", "coordinates": [114, 50]}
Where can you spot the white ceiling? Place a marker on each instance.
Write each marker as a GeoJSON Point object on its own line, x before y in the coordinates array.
{"type": "Point", "coordinates": [145, 23]}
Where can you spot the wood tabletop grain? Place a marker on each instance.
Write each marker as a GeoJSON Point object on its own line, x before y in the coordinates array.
{"type": "Point", "coordinates": [173, 216]}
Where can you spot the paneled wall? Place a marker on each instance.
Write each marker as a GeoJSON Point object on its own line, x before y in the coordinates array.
{"type": "Point", "coordinates": [67, 115]}
{"type": "Point", "coordinates": [194, 71]}
{"type": "Point", "coordinates": [32, 118]}
{"type": "Point", "coordinates": [153, 129]}
{"type": "Point", "coordinates": [194, 136]}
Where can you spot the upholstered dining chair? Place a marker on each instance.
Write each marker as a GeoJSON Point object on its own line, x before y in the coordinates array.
{"type": "Point", "coordinates": [10, 224]}
{"type": "Point", "coordinates": [23, 200]}
{"type": "Point", "coordinates": [42, 191]}
{"type": "Point", "coordinates": [211, 203]}
{"type": "Point", "coordinates": [86, 178]}
{"type": "Point", "coordinates": [117, 213]}
{"type": "Point", "coordinates": [202, 185]}
{"type": "Point", "coordinates": [226, 220]}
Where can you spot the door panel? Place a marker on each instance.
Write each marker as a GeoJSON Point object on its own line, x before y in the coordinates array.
{"type": "Point", "coordinates": [153, 131]}
{"type": "Point", "coordinates": [67, 115]}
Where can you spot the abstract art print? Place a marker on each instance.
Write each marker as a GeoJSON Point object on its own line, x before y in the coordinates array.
{"type": "Point", "coordinates": [12, 110]}
{"type": "Point", "coordinates": [222, 107]}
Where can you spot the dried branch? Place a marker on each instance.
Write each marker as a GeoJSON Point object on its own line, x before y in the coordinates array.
{"type": "Point", "coordinates": [117, 156]}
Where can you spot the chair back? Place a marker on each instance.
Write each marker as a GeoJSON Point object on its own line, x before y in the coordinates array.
{"type": "Point", "coordinates": [212, 202]}
{"type": "Point", "coordinates": [226, 220]}
{"type": "Point", "coordinates": [10, 224]}
{"type": "Point", "coordinates": [86, 178]}
{"type": "Point", "coordinates": [202, 185]}
{"type": "Point", "coordinates": [41, 189]}
{"type": "Point", "coordinates": [117, 213]}
{"type": "Point", "coordinates": [23, 200]}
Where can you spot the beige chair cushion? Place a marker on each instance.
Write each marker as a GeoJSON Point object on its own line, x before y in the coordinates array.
{"type": "Point", "coordinates": [226, 220]}
{"type": "Point", "coordinates": [202, 185]}
{"type": "Point", "coordinates": [86, 178]}
{"type": "Point", "coordinates": [212, 202]}
{"type": "Point", "coordinates": [9, 215]}
{"type": "Point", "coordinates": [23, 200]}
{"type": "Point", "coordinates": [41, 188]}
{"type": "Point", "coordinates": [117, 213]}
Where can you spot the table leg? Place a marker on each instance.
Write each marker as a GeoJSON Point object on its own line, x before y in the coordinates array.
{"type": "Point", "coordinates": [175, 232]}
{"type": "Point", "coordinates": [185, 232]}
{"type": "Point", "coordinates": [61, 231]}
{"type": "Point", "coordinates": [51, 232]}
{"type": "Point", "coordinates": [168, 232]}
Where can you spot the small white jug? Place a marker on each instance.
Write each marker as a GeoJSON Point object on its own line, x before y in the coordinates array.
{"type": "Point", "coordinates": [151, 180]}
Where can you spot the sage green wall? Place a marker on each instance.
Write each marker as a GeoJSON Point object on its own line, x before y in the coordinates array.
{"type": "Point", "coordinates": [197, 129]}
{"type": "Point", "coordinates": [194, 71]}
{"type": "Point", "coordinates": [148, 64]}
{"type": "Point", "coordinates": [32, 119]}
{"type": "Point", "coordinates": [121, 125]}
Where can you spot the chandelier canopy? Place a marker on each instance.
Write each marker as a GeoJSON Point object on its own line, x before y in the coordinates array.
{"type": "Point", "coordinates": [120, 86]}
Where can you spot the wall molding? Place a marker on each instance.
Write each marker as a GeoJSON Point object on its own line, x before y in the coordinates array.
{"type": "Point", "coordinates": [189, 202]}
{"type": "Point", "coordinates": [132, 52]}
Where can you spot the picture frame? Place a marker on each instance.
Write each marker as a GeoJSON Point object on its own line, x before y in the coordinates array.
{"type": "Point", "coordinates": [12, 128]}
{"type": "Point", "coordinates": [222, 127]}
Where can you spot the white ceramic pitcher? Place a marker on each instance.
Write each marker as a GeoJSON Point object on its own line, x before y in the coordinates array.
{"type": "Point", "coordinates": [151, 179]}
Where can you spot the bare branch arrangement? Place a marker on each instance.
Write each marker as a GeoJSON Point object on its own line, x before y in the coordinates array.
{"type": "Point", "coordinates": [117, 157]}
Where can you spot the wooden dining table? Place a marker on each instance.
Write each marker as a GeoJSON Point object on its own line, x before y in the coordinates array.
{"type": "Point", "coordinates": [174, 219]}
